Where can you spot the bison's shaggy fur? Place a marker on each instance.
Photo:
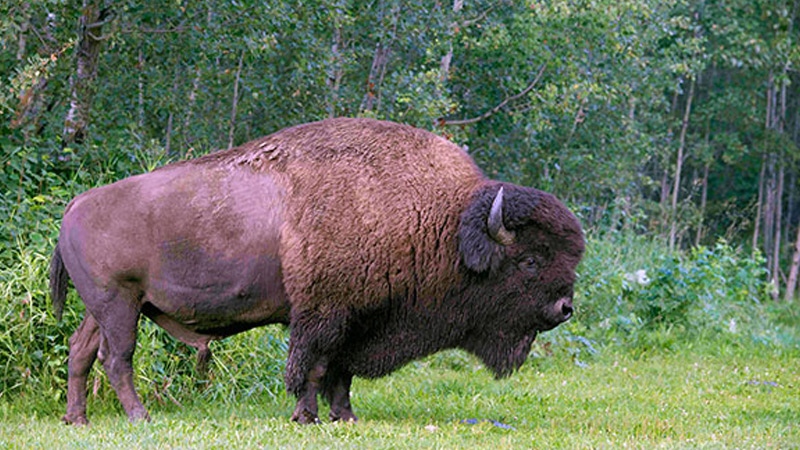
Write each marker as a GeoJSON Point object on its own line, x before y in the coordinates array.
{"type": "Point", "coordinates": [379, 243]}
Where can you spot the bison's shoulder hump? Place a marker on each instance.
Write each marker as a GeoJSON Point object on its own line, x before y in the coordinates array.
{"type": "Point", "coordinates": [360, 142]}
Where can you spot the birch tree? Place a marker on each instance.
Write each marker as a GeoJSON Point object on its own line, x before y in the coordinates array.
{"type": "Point", "coordinates": [95, 15]}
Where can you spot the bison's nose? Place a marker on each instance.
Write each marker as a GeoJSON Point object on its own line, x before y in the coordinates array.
{"type": "Point", "coordinates": [566, 308]}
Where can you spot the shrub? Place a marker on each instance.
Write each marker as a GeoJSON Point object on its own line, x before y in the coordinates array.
{"type": "Point", "coordinates": [636, 292]}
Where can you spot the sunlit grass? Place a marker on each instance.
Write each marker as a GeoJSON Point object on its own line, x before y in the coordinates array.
{"type": "Point", "coordinates": [731, 398]}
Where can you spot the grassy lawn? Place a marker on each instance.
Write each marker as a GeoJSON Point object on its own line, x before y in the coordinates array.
{"type": "Point", "coordinates": [726, 397]}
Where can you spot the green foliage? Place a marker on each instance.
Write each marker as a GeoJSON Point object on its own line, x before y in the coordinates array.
{"type": "Point", "coordinates": [709, 291]}
{"type": "Point", "coordinates": [32, 347]}
{"type": "Point", "coordinates": [634, 292]}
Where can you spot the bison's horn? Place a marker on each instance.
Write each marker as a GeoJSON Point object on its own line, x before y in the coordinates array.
{"type": "Point", "coordinates": [497, 230]}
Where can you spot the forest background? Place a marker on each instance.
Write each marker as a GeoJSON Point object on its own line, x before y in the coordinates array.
{"type": "Point", "coordinates": [676, 118]}
{"type": "Point", "coordinates": [670, 127]}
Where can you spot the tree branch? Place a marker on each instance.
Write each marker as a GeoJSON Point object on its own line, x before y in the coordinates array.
{"type": "Point", "coordinates": [477, 19]}
{"type": "Point", "coordinates": [100, 23]}
{"type": "Point", "coordinates": [178, 29]}
{"type": "Point", "coordinates": [487, 114]}
{"type": "Point", "coordinates": [105, 16]}
{"type": "Point", "coordinates": [103, 37]}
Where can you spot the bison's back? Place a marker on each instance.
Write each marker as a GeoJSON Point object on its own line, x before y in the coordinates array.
{"type": "Point", "coordinates": [372, 209]}
{"type": "Point", "coordinates": [200, 244]}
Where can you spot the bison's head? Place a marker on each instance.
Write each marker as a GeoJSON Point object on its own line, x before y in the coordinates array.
{"type": "Point", "coordinates": [520, 247]}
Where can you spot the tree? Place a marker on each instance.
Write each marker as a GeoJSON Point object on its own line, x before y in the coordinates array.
{"type": "Point", "coordinates": [95, 14]}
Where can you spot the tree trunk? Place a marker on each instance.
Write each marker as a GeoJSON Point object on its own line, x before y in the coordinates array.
{"type": "Point", "coordinates": [444, 65]}
{"type": "Point", "coordinates": [759, 203]}
{"type": "Point", "coordinates": [24, 26]}
{"type": "Point", "coordinates": [677, 183]}
{"type": "Point", "coordinates": [775, 122]}
{"type": "Point", "coordinates": [770, 189]}
{"type": "Point", "coordinates": [703, 203]}
{"type": "Point", "coordinates": [171, 117]}
{"type": "Point", "coordinates": [776, 244]}
{"type": "Point", "coordinates": [704, 185]}
{"type": "Point", "coordinates": [790, 200]}
{"type": "Point", "coordinates": [770, 180]}
{"type": "Point", "coordinates": [665, 187]}
{"type": "Point", "coordinates": [140, 79]}
{"type": "Point", "coordinates": [380, 59]}
{"type": "Point", "coordinates": [187, 121]}
{"type": "Point", "coordinates": [780, 126]}
{"type": "Point", "coordinates": [235, 101]}
{"type": "Point", "coordinates": [791, 283]}
{"type": "Point", "coordinates": [375, 78]}
{"type": "Point", "coordinates": [95, 15]}
{"type": "Point", "coordinates": [336, 71]}
{"type": "Point", "coordinates": [664, 210]}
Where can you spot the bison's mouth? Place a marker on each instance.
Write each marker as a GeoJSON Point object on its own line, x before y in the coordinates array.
{"type": "Point", "coordinates": [550, 325]}
{"type": "Point", "coordinates": [505, 359]}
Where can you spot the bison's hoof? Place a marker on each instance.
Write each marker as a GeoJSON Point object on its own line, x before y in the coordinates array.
{"type": "Point", "coordinates": [139, 416]}
{"type": "Point", "coordinates": [75, 419]}
{"type": "Point", "coordinates": [343, 416]}
{"type": "Point", "coordinates": [305, 417]}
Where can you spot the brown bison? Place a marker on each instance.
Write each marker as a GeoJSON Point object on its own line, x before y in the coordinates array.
{"type": "Point", "coordinates": [377, 243]}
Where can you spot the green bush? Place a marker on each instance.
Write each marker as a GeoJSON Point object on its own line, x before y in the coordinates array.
{"type": "Point", "coordinates": [708, 290]}
{"type": "Point", "coordinates": [635, 292]}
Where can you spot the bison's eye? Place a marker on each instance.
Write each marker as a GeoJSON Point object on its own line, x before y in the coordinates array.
{"type": "Point", "coordinates": [528, 264]}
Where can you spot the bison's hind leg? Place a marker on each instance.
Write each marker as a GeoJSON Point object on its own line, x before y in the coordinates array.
{"type": "Point", "coordinates": [117, 314]}
{"type": "Point", "coordinates": [83, 347]}
{"type": "Point", "coordinates": [203, 358]}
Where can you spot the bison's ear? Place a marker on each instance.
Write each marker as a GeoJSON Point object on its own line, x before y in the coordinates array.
{"type": "Point", "coordinates": [482, 234]}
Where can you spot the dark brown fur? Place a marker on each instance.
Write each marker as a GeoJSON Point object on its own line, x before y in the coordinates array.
{"type": "Point", "coordinates": [370, 238]}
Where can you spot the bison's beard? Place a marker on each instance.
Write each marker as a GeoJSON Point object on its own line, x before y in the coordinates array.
{"type": "Point", "coordinates": [503, 354]}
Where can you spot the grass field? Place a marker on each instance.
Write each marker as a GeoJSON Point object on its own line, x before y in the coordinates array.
{"type": "Point", "coordinates": [711, 397]}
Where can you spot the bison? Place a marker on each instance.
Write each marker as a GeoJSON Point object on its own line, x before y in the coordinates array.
{"type": "Point", "coordinates": [377, 243]}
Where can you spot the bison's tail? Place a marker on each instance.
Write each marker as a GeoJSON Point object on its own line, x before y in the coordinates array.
{"type": "Point", "coordinates": [58, 283]}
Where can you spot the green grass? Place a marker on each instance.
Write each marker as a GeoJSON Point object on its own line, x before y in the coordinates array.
{"type": "Point", "coordinates": [726, 397]}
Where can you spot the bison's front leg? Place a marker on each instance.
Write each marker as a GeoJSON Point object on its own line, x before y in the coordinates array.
{"type": "Point", "coordinates": [306, 410]}
{"type": "Point", "coordinates": [314, 340]}
{"type": "Point", "coordinates": [336, 390]}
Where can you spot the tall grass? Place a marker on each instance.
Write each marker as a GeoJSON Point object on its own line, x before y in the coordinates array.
{"type": "Point", "coordinates": [32, 348]}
